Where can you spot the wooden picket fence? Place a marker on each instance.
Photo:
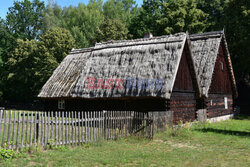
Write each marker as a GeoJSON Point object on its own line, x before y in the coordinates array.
{"type": "Point", "coordinates": [19, 129]}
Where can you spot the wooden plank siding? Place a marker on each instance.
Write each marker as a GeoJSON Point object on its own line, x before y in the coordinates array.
{"type": "Point", "coordinates": [220, 88]}
{"type": "Point", "coordinates": [183, 98]}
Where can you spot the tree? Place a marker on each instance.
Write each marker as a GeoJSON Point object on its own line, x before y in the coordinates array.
{"type": "Point", "coordinates": [82, 21]}
{"type": "Point", "coordinates": [26, 64]}
{"type": "Point", "coordinates": [7, 43]}
{"type": "Point", "coordinates": [120, 9]}
{"type": "Point", "coordinates": [53, 16]}
{"type": "Point", "coordinates": [145, 19]}
{"type": "Point", "coordinates": [215, 9]}
{"type": "Point", "coordinates": [181, 16]}
{"type": "Point", "coordinates": [162, 17]}
{"type": "Point", "coordinates": [237, 28]}
{"type": "Point", "coordinates": [32, 62]}
{"type": "Point", "coordinates": [111, 29]}
{"type": "Point", "coordinates": [59, 42]}
{"type": "Point", "coordinates": [24, 19]}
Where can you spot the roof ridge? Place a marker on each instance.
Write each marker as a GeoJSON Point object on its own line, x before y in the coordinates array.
{"type": "Point", "coordinates": [115, 43]}
{"type": "Point", "coordinates": [213, 33]}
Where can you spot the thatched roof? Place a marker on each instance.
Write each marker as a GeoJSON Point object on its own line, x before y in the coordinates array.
{"type": "Point", "coordinates": [205, 49]}
{"type": "Point", "coordinates": [154, 59]}
{"type": "Point", "coordinates": [64, 78]}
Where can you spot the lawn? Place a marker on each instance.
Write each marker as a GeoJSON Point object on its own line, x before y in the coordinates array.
{"type": "Point", "coordinates": [225, 143]}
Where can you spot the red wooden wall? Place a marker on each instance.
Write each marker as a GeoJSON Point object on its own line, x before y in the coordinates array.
{"type": "Point", "coordinates": [183, 99]}
{"type": "Point", "coordinates": [220, 88]}
{"type": "Point", "coordinates": [221, 82]}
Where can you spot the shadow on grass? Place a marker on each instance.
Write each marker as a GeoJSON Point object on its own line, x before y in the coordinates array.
{"type": "Point", "coordinates": [242, 117]}
{"type": "Point", "coordinates": [226, 132]}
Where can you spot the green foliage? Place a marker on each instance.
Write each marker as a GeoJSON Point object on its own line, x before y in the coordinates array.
{"type": "Point", "coordinates": [29, 66]}
{"type": "Point", "coordinates": [111, 29]}
{"type": "Point", "coordinates": [32, 62]}
{"type": "Point", "coordinates": [237, 28]}
{"type": "Point", "coordinates": [168, 16]}
{"type": "Point", "coordinates": [59, 42]}
{"type": "Point", "coordinates": [53, 17]}
{"type": "Point", "coordinates": [7, 153]}
{"type": "Point", "coordinates": [82, 21]}
{"type": "Point", "coordinates": [145, 20]}
{"type": "Point", "coordinates": [181, 16]}
{"type": "Point", "coordinates": [120, 9]}
{"type": "Point", "coordinates": [215, 9]}
{"type": "Point", "coordinates": [24, 18]}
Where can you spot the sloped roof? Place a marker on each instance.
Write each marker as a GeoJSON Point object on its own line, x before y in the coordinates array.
{"type": "Point", "coordinates": [205, 49]}
{"type": "Point", "coordinates": [65, 76]}
{"type": "Point", "coordinates": [147, 60]}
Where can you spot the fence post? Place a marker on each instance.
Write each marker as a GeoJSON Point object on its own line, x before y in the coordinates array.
{"type": "Point", "coordinates": [105, 124]}
{"type": "Point", "coordinates": [37, 126]}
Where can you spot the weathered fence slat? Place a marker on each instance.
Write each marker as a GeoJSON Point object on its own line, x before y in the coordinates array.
{"type": "Point", "coordinates": [27, 129]}
{"type": "Point", "coordinates": [63, 129]}
{"type": "Point", "coordinates": [9, 128]}
{"type": "Point", "coordinates": [66, 128]}
{"type": "Point", "coordinates": [4, 128]}
{"type": "Point", "coordinates": [35, 128]}
{"type": "Point", "coordinates": [13, 130]}
{"type": "Point", "coordinates": [79, 130]}
{"type": "Point", "coordinates": [22, 133]}
{"type": "Point", "coordinates": [45, 129]}
{"type": "Point", "coordinates": [75, 120]}
{"type": "Point", "coordinates": [59, 128]}
{"type": "Point", "coordinates": [18, 129]}
{"type": "Point", "coordinates": [85, 127]}
{"type": "Point", "coordinates": [56, 138]}
{"type": "Point", "coordinates": [42, 128]}
{"type": "Point", "coordinates": [31, 122]}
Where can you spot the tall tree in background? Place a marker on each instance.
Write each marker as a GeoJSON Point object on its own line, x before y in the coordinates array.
{"type": "Point", "coordinates": [145, 19]}
{"type": "Point", "coordinates": [237, 27]}
{"type": "Point", "coordinates": [32, 62]}
{"type": "Point", "coordinates": [120, 9]}
{"type": "Point", "coordinates": [7, 43]}
{"type": "Point", "coordinates": [215, 9]}
{"type": "Point", "coordinates": [181, 16]}
{"type": "Point", "coordinates": [168, 16]}
{"type": "Point", "coordinates": [59, 42]}
{"type": "Point", "coordinates": [24, 18]}
{"type": "Point", "coordinates": [53, 16]}
{"type": "Point", "coordinates": [111, 29]}
{"type": "Point", "coordinates": [83, 21]}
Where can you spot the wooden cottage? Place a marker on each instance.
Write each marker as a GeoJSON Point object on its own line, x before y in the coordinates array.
{"type": "Point", "coordinates": [214, 73]}
{"type": "Point", "coordinates": [149, 75]}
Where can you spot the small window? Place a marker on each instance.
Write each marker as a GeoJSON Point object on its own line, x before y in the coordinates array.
{"type": "Point", "coordinates": [225, 101]}
{"type": "Point", "coordinates": [222, 66]}
{"type": "Point", "coordinates": [61, 104]}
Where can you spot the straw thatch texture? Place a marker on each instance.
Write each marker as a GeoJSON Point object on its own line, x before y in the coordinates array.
{"type": "Point", "coordinates": [154, 60]}
{"type": "Point", "coordinates": [64, 77]}
{"type": "Point", "coordinates": [205, 49]}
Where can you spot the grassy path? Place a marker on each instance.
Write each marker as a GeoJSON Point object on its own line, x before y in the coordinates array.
{"type": "Point", "coordinates": [220, 144]}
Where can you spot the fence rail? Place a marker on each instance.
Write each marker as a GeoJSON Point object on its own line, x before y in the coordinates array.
{"type": "Point", "coordinates": [19, 129]}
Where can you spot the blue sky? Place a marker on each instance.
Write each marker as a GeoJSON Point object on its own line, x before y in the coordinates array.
{"type": "Point", "coordinates": [5, 4]}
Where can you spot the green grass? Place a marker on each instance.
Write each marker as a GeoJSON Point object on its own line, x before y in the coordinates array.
{"type": "Point", "coordinates": [225, 143]}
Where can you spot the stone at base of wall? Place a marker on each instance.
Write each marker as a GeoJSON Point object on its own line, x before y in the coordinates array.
{"type": "Point", "coordinates": [221, 118]}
